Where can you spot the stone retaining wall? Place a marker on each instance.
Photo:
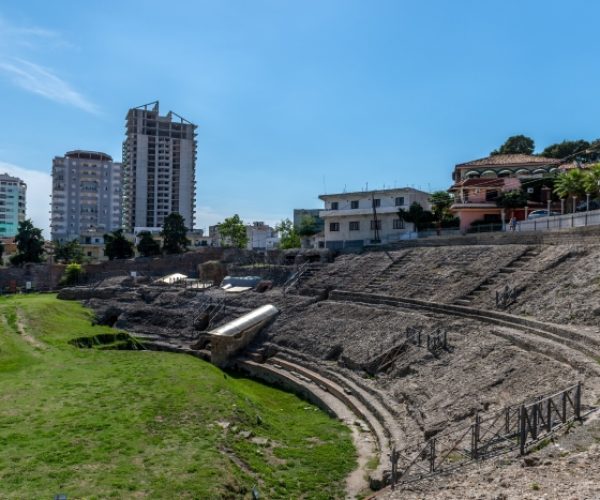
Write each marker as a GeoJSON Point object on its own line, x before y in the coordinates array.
{"type": "Point", "coordinates": [583, 235]}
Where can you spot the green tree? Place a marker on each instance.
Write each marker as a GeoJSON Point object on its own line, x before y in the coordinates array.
{"type": "Point", "coordinates": [512, 199]}
{"type": "Point", "coordinates": [174, 234]}
{"type": "Point", "coordinates": [441, 201]}
{"type": "Point", "coordinates": [565, 148]}
{"type": "Point", "coordinates": [591, 181]}
{"type": "Point", "coordinates": [289, 237]}
{"type": "Point", "coordinates": [147, 246]}
{"type": "Point", "coordinates": [307, 226]}
{"type": "Point", "coordinates": [30, 244]}
{"type": "Point", "coordinates": [116, 246]}
{"type": "Point", "coordinates": [233, 232]}
{"type": "Point", "coordinates": [516, 144]}
{"type": "Point", "coordinates": [416, 214]}
{"type": "Point", "coordinates": [73, 274]}
{"type": "Point", "coordinates": [570, 184]}
{"type": "Point", "coordinates": [70, 251]}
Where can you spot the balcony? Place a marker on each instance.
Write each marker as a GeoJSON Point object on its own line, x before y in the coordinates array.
{"type": "Point", "coordinates": [358, 211]}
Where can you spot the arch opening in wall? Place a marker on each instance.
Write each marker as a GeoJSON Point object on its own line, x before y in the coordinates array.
{"type": "Point", "coordinates": [489, 174]}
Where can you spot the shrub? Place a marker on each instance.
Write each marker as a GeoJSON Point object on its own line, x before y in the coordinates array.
{"type": "Point", "coordinates": [73, 274]}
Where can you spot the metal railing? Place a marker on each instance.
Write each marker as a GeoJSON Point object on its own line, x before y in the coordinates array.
{"type": "Point", "coordinates": [515, 427]}
{"type": "Point", "coordinates": [577, 219]}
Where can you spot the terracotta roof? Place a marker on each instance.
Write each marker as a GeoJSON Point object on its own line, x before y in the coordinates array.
{"type": "Point", "coordinates": [505, 160]}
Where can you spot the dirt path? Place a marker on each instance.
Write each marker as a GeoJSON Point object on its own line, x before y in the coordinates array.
{"type": "Point", "coordinates": [30, 339]}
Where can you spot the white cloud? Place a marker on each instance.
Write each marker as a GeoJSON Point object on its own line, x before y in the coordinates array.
{"type": "Point", "coordinates": [39, 188]}
{"type": "Point", "coordinates": [208, 216]}
{"type": "Point", "coordinates": [42, 81]}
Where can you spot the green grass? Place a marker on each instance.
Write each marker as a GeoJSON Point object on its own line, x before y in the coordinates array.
{"type": "Point", "coordinates": [99, 423]}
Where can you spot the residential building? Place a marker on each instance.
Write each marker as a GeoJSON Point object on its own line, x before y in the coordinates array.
{"type": "Point", "coordinates": [12, 204]}
{"type": "Point", "coordinates": [478, 183]}
{"type": "Point", "coordinates": [159, 166]}
{"type": "Point", "coordinates": [260, 236]}
{"type": "Point", "coordinates": [368, 217]}
{"type": "Point", "coordinates": [86, 196]}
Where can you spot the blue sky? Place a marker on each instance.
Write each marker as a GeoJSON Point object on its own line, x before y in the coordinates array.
{"type": "Point", "coordinates": [293, 99]}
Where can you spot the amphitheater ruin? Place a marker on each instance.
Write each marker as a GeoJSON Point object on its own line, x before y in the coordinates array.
{"type": "Point", "coordinates": [440, 355]}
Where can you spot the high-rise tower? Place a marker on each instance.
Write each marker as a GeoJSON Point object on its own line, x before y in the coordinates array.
{"type": "Point", "coordinates": [159, 166]}
{"type": "Point", "coordinates": [12, 204]}
{"type": "Point", "coordinates": [86, 196]}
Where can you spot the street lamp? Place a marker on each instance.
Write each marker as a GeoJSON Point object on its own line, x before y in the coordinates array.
{"type": "Point", "coordinates": [587, 202]}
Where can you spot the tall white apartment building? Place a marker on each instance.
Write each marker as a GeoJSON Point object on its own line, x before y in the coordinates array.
{"type": "Point", "coordinates": [353, 220]}
{"type": "Point", "coordinates": [159, 166]}
{"type": "Point", "coordinates": [12, 204]}
{"type": "Point", "coordinates": [86, 196]}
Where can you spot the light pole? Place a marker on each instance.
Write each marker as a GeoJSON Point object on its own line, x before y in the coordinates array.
{"type": "Point", "coordinates": [587, 202]}
{"type": "Point", "coordinates": [574, 202]}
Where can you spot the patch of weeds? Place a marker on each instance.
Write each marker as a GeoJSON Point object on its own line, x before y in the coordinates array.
{"type": "Point", "coordinates": [541, 445]}
{"type": "Point", "coordinates": [372, 463]}
{"type": "Point", "coordinates": [535, 486]}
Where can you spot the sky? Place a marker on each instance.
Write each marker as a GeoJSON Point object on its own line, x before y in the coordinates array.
{"type": "Point", "coordinates": [295, 99]}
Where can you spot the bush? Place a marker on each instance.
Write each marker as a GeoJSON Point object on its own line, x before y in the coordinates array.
{"type": "Point", "coordinates": [73, 274]}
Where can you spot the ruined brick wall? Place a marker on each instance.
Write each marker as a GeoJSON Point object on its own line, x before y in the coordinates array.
{"type": "Point", "coordinates": [41, 276]}
{"type": "Point", "coordinates": [186, 263]}
{"type": "Point", "coordinates": [47, 276]}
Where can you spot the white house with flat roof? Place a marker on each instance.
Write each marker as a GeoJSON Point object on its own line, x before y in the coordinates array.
{"type": "Point", "coordinates": [353, 220]}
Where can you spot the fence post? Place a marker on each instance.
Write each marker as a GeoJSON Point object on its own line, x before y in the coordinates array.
{"type": "Point", "coordinates": [507, 421]}
{"type": "Point", "coordinates": [475, 437]}
{"type": "Point", "coordinates": [522, 428]}
{"type": "Point", "coordinates": [578, 401]}
{"type": "Point", "coordinates": [394, 458]}
{"type": "Point", "coordinates": [549, 415]}
{"type": "Point", "coordinates": [535, 418]}
{"type": "Point", "coordinates": [432, 455]}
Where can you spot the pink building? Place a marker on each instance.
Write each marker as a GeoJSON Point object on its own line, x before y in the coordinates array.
{"type": "Point", "coordinates": [478, 183]}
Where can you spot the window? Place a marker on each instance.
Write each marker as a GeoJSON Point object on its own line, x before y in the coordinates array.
{"type": "Point", "coordinates": [334, 205]}
{"type": "Point", "coordinates": [377, 202]}
{"type": "Point", "coordinates": [399, 201]}
{"type": "Point", "coordinates": [375, 224]}
{"type": "Point", "coordinates": [334, 226]}
{"type": "Point", "coordinates": [355, 225]}
{"type": "Point", "coordinates": [398, 223]}
{"type": "Point", "coordinates": [354, 204]}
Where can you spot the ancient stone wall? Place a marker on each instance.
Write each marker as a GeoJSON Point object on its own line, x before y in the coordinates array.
{"type": "Point", "coordinates": [46, 276]}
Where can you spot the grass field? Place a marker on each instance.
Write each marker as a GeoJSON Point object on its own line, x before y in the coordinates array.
{"type": "Point", "coordinates": [95, 423]}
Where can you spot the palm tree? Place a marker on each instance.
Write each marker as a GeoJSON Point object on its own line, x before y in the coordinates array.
{"type": "Point", "coordinates": [591, 183]}
{"type": "Point", "coordinates": [570, 184]}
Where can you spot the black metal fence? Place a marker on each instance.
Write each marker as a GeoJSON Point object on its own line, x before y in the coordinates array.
{"type": "Point", "coordinates": [516, 427]}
